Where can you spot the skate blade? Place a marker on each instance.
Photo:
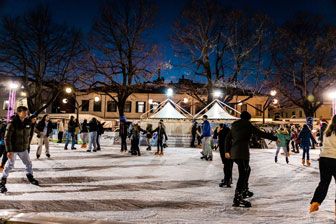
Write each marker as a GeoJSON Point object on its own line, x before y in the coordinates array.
{"type": "Point", "coordinates": [241, 206]}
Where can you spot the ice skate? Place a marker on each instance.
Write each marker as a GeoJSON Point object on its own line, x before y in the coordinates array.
{"type": "Point", "coordinates": [314, 207]}
{"type": "Point", "coordinates": [3, 188]}
{"type": "Point", "coordinates": [161, 154]}
{"type": "Point", "coordinates": [287, 161]}
{"type": "Point", "coordinates": [48, 155]}
{"type": "Point", "coordinates": [32, 180]}
{"type": "Point", "coordinates": [276, 159]}
{"type": "Point", "coordinates": [303, 161]}
{"type": "Point", "coordinates": [247, 194]}
{"type": "Point", "coordinates": [156, 153]}
{"type": "Point", "coordinates": [238, 201]}
{"type": "Point", "coordinates": [308, 162]}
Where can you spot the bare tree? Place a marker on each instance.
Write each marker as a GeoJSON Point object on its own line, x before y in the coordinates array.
{"type": "Point", "coordinates": [223, 46]}
{"type": "Point", "coordinates": [122, 53]}
{"type": "Point", "coordinates": [304, 51]}
{"type": "Point", "coordinates": [40, 53]}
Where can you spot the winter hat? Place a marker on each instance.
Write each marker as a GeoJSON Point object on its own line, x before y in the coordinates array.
{"type": "Point", "coordinates": [245, 115]}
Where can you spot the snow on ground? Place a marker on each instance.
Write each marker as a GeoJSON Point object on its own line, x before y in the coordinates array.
{"type": "Point", "coordinates": [176, 188]}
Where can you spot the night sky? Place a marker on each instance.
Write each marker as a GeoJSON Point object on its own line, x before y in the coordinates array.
{"type": "Point", "coordinates": [80, 13]}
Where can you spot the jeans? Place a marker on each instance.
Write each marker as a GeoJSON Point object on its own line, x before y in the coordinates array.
{"type": "Point", "coordinates": [206, 147]}
{"type": "Point", "coordinates": [228, 165]}
{"type": "Point", "coordinates": [159, 145]}
{"type": "Point", "coordinates": [72, 136]}
{"type": "Point", "coordinates": [284, 148]}
{"type": "Point", "coordinates": [327, 171]}
{"type": "Point", "coordinates": [93, 140]}
{"type": "Point", "coordinates": [305, 151]}
{"type": "Point", "coordinates": [24, 156]}
{"type": "Point", "coordinates": [85, 137]}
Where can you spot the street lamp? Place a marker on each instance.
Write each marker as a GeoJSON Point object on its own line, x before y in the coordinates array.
{"type": "Point", "coordinates": [11, 99]}
{"type": "Point", "coordinates": [273, 92]}
{"type": "Point", "coordinates": [150, 101]}
{"type": "Point", "coordinates": [332, 95]}
{"type": "Point", "coordinates": [185, 100]}
{"type": "Point", "coordinates": [170, 92]}
{"type": "Point", "coordinates": [65, 101]}
{"type": "Point", "coordinates": [217, 93]}
{"type": "Point", "coordinates": [275, 101]}
{"type": "Point", "coordinates": [96, 99]}
{"type": "Point", "coordinates": [68, 90]}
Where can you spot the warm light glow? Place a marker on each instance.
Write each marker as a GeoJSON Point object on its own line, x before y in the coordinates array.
{"type": "Point", "coordinates": [65, 101]}
{"type": "Point", "coordinates": [332, 95]}
{"type": "Point", "coordinates": [68, 90]}
{"type": "Point", "coordinates": [23, 94]}
{"type": "Point", "coordinates": [275, 101]}
{"type": "Point", "coordinates": [273, 92]}
{"type": "Point", "coordinates": [150, 101]}
{"type": "Point", "coordinates": [13, 85]}
{"type": "Point", "coordinates": [239, 104]}
{"type": "Point", "coordinates": [97, 99]}
{"type": "Point", "coordinates": [185, 100]}
{"type": "Point", "coordinates": [170, 92]}
{"type": "Point", "coordinates": [217, 93]}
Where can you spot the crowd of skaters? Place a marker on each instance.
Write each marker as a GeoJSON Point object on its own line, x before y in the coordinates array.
{"type": "Point", "coordinates": [233, 144]}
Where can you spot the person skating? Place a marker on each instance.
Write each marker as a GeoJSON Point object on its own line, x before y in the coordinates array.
{"type": "Point", "coordinates": [71, 133]}
{"type": "Point", "coordinates": [135, 137]}
{"type": "Point", "coordinates": [214, 144]}
{"type": "Point", "coordinates": [77, 130]}
{"type": "Point", "coordinates": [43, 130]}
{"type": "Point", "coordinates": [327, 166]}
{"type": "Point", "coordinates": [206, 136]}
{"type": "Point", "coordinates": [3, 151]}
{"type": "Point", "coordinates": [60, 129]}
{"type": "Point", "coordinates": [161, 133]}
{"type": "Point", "coordinates": [123, 134]}
{"type": "Point", "coordinates": [237, 149]}
{"type": "Point", "coordinates": [100, 131]}
{"type": "Point", "coordinates": [84, 134]}
{"type": "Point", "coordinates": [93, 127]}
{"type": "Point", "coordinates": [324, 125]}
{"type": "Point", "coordinates": [228, 163]}
{"type": "Point", "coordinates": [16, 143]}
{"type": "Point", "coordinates": [193, 134]}
{"type": "Point", "coordinates": [305, 136]}
{"type": "Point", "coordinates": [149, 135]}
{"type": "Point", "coordinates": [283, 137]}
{"type": "Point", "coordinates": [295, 144]}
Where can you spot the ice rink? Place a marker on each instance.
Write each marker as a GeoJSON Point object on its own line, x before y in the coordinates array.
{"type": "Point", "coordinates": [176, 188]}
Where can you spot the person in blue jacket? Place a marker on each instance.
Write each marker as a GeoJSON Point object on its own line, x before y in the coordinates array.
{"type": "Point", "coordinates": [305, 136]}
{"type": "Point", "coordinates": [206, 136]}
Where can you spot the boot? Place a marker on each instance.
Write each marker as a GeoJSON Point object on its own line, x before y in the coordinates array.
{"type": "Point", "coordinates": [3, 188]}
{"type": "Point", "coordinates": [157, 153]}
{"type": "Point", "coordinates": [82, 146]}
{"type": "Point", "coordinates": [247, 194]}
{"type": "Point", "coordinates": [161, 154]}
{"type": "Point", "coordinates": [314, 207]}
{"type": "Point", "coordinates": [32, 180]}
{"type": "Point", "coordinates": [308, 163]}
{"type": "Point", "coordinates": [276, 159]}
{"type": "Point", "coordinates": [239, 201]}
{"type": "Point", "coordinates": [303, 161]}
{"type": "Point", "coordinates": [204, 157]}
{"type": "Point", "coordinates": [222, 183]}
{"type": "Point", "coordinates": [287, 160]}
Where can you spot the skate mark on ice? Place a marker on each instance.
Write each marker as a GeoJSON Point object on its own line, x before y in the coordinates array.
{"type": "Point", "coordinates": [98, 205]}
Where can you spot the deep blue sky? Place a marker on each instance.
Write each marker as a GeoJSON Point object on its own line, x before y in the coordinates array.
{"type": "Point", "coordinates": [81, 13]}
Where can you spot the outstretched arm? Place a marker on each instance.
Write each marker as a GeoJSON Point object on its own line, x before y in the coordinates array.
{"type": "Point", "coordinates": [262, 134]}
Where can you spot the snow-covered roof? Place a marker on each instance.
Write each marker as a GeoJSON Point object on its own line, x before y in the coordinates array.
{"type": "Point", "coordinates": [168, 112]}
{"type": "Point", "coordinates": [216, 112]}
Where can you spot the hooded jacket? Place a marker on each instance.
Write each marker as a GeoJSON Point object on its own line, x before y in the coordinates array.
{"type": "Point", "coordinates": [305, 136]}
{"type": "Point", "coordinates": [283, 136]}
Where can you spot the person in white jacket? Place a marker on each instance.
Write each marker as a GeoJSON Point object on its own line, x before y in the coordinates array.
{"type": "Point", "coordinates": [327, 164]}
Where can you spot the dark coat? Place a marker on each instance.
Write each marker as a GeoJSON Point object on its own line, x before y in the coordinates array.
{"type": "Point", "coordinates": [84, 127]}
{"type": "Point", "coordinates": [239, 138]}
{"type": "Point", "coordinates": [17, 135]}
{"type": "Point", "coordinates": [135, 132]}
{"type": "Point", "coordinates": [93, 126]}
{"type": "Point", "coordinates": [41, 125]}
{"type": "Point", "coordinates": [221, 141]}
{"type": "Point", "coordinates": [161, 132]}
{"type": "Point", "coordinates": [305, 136]}
{"type": "Point", "coordinates": [123, 130]}
{"type": "Point", "coordinates": [2, 134]}
{"type": "Point", "coordinates": [194, 129]}
{"type": "Point", "coordinates": [100, 128]}
{"type": "Point", "coordinates": [72, 125]}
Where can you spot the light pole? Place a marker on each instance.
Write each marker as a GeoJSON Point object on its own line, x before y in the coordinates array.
{"type": "Point", "coordinates": [11, 100]}
{"type": "Point", "coordinates": [332, 95]}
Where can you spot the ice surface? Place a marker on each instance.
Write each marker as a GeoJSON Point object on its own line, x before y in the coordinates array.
{"type": "Point", "coordinates": [176, 188]}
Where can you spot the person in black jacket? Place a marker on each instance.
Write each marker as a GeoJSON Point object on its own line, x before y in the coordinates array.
{"type": "Point", "coordinates": [71, 133]}
{"type": "Point", "coordinates": [123, 135]}
{"type": "Point", "coordinates": [193, 134]}
{"type": "Point", "coordinates": [17, 141]}
{"type": "Point", "coordinates": [93, 127]}
{"type": "Point", "coordinates": [100, 131]}
{"type": "Point", "coordinates": [149, 136]}
{"type": "Point", "coordinates": [3, 152]}
{"type": "Point", "coordinates": [228, 163]}
{"type": "Point", "coordinates": [44, 129]}
{"type": "Point", "coordinates": [237, 149]}
{"type": "Point", "coordinates": [161, 133]}
{"type": "Point", "coordinates": [135, 137]}
{"type": "Point", "coordinates": [84, 133]}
